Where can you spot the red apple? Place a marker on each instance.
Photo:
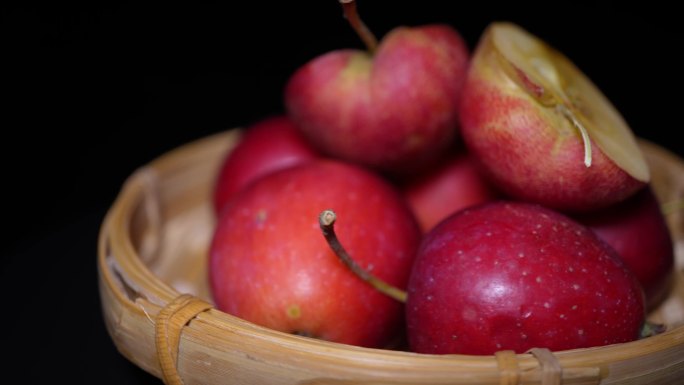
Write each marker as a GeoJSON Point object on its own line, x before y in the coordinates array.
{"type": "Point", "coordinates": [516, 276]}
{"type": "Point", "coordinates": [542, 130]}
{"type": "Point", "coordinates": [394, 109]}
{"type": "Point", "coordinates": [270, 265]}
{"type": "Point", "coordinates": [637, 230]}
{"type": "Point", "coordinates": [266, 146]}
{"type": "Point", "coordinates": [455, 184]}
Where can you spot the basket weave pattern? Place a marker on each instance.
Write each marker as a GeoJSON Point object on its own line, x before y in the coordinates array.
{"type": "Point", "coordinates": [157, 307]}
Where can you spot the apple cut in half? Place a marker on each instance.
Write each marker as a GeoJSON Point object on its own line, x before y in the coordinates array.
{"type": "Point", "coordinates": [540, 128]}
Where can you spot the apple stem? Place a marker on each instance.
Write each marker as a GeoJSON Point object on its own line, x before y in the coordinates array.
{"type": "Point", "coordinates": [583, 132]}
{"type": "Point", "coordinates": [352, 15]}
{"type": "Point", "coordinates": [327, 220]}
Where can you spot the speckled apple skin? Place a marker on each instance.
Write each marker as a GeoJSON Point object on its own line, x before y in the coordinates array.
{"type": "Point", "coordinates": [517, 276]}
{"type": "Point", "coordinates": [270, 264]}
{"type": "Point", "coordinates": [530, 151]}
{"type": "Point", "coordinates": [395, 111]}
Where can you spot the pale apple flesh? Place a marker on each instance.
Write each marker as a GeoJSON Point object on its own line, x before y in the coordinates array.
{"type": "Point", "coordinates": [542, 130]}
{"type": "Point", "coordinates": [565, 87]}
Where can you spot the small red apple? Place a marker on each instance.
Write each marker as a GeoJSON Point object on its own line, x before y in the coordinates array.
{"type": "Point", "coordinates": [542, 130]}
{"type": "Point", "coordinates": [637, 230]}
{"type": "Point", "coordinates": [453, 185]}
{"type": "Point", "coordinates": [393, 109]}
{"type": "Point", "coordinates": [267, 145]}
{"type": "Point", "coordinates": [270, 265]}
{"type": "Point", "coordinates": [516, 276]}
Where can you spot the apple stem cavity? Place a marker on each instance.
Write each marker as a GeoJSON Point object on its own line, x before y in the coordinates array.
{"type": "Point", "coordinates": [352, 15]}
{"type": "Point", "coordinates": [327, 220]}
{"type": "Point", "coordinates": [582, 130]}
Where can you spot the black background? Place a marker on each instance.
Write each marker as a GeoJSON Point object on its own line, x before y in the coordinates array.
{"type": "Point", "coordinates": [92, 92]}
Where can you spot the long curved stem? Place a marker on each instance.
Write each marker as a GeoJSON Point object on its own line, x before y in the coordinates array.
{"type": "Point", "coordinates": [352, 15]}
{"type": "Point", "coordinates": [327, 222]}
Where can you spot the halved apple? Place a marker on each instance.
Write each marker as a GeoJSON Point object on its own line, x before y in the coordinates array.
{"type": "Point", "coordinates": [542, 130]}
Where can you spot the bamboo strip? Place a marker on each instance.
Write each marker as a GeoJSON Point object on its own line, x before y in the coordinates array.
{"type": "Point", "coordinates": [147, 256]}
{"type": "Point", "coordinates": [168, 325]}
{"type": "Point", "coordinates": [552, 371]}
{"type": "Point", "coordinates": [508, 367]}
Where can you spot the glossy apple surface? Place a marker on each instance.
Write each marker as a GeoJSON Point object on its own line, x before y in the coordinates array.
{"type": "Point", "coordinates": [637, 230]}
{"type": "Point", "coordinates": [542, 130]}
{"type": "Point", "coordinates": [515, 276]}
{"type": "Point", "coordinates": [270, 264]}
{"type": "Point", "coordinates": [395, 110]}
{"type": "Point", "coordinates": [267, 145]}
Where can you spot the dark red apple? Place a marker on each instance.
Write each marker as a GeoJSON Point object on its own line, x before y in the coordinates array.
{"type": "Point", "coordinates": [267, 145]}
{"type": "Point", "coordinates": [516, 276]}
{"type": "Point", "coordinates": [453, 185]}
{"type": "Point", "coordinates": [637, 230]}
{"type": "Point", "coordinates": [270, 265]}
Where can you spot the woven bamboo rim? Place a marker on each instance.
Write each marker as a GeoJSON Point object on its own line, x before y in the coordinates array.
{"type": "Point", "coordinates": [157, 308]}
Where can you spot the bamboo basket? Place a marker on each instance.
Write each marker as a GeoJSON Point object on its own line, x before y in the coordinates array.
{"type": "Point", "coordinates": [157, 307]}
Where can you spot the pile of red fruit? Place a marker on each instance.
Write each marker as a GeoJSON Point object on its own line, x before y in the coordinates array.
{"type": "Point", "coordinates": [500, 190]}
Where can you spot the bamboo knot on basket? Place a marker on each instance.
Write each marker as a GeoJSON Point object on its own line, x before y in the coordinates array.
{"type": "Point", "coordinates": [508, 367]}
{"type": "Point", "coordinates": [168, 325]}
{"type": "Point", "coordinates": [551, 371]}
{"type": "Point", "coordinates": [507, 361]}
